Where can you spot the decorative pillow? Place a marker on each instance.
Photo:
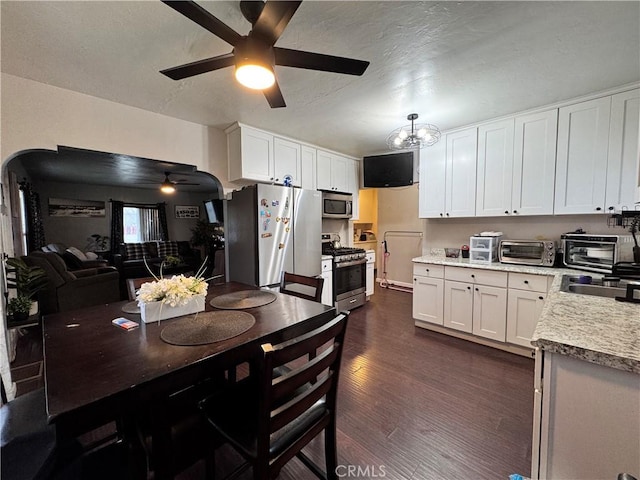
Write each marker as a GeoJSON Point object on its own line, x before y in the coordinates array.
{"type": "Point", "coordinates": [167, 248]}
{"type": "Point", "coordinates": [77, 253]}
{"type": "Point", "coordinates": [136, 251]}
{"type": "Point", "coordinates": [152, 248]}
{"type": "Point", "coordinates": [91, 255]}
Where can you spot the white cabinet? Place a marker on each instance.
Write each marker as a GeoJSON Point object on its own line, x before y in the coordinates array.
{"type": "Point", "coordinates": [432, 187]}
{"type": "Point", "coordinates": [309, 162]}
{"type": "Point", "coordinates": [333, 172]}
{"type": "Point", "coordinates": [623, 156]}
{"type": "Point", "coordinates": [250, 154]}
{"type": "Point", "coordinates": [448, 177]}
{"type": "Point", "coordinates": [287, 161]}
{"type": "Point", "coordinates": [495, 169]}
{"type": "Point", "coordinates": [460, 197]}
{"type": "Point", "coordinates": [581, 161]}
{"type": "Point", "coordinates": [475, 301]}
{"type": "Point", "coordinates": [371, 281]}
{"type": "Point", "coordinates": [327, 287]}
{"type": "Point", "coordinates": [534, 163]}
{"type": "Point", "coordinates": [428, 294]}
{"type": "Point", "coordinates": [526, 297]}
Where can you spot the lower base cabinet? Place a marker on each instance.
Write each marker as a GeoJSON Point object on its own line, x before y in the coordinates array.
{"type": "Point", "coordinates": [478, 303]}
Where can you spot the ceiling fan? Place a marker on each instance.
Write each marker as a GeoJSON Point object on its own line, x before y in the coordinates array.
{"type": "Point", "coordinates": [254, 55]}
{"type": "Point", "coordinates": [169, 186]}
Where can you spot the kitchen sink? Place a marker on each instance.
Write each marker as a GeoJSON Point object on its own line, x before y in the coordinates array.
{"type": "Point", "coordinates": [570, 284]}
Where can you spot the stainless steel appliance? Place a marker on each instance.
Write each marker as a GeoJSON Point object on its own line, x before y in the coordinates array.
{"type": "Point", "coordinates": [596, 253]}
{"type": "Point", "coordinates": [349, 273]}
{"type": "Point", "coordinates": [528, 252]}
{"type": "Point", "coordinates": [271, 228]}
{"type": "Point", "coordinates": [337, 205]}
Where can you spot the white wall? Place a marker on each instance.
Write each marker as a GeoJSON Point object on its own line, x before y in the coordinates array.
{"type": "Point", "coordinates": [35, 115]}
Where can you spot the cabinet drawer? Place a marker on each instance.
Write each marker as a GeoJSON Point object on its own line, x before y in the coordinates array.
{"type": "Point", "coordinates": [476, 275]}
{"type": "Point", "coordinates": [327, 265]}
{"type": "Point", "coordinates": [428, 270]}
{"type": "Point", "coordinates": [528, 282]}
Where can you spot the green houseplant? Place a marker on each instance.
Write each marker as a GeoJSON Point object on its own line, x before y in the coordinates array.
{"type": "Point", "coordinates": [97, 243]}
{"type": "Point", "coordinates": [27, 281]}
{"type": "Point", "coordinates": [19, 307]}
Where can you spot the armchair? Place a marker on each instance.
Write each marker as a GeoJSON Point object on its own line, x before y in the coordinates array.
{"type": "Point", "coordinates": [68, 290]}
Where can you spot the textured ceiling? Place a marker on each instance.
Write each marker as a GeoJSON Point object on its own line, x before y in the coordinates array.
{"type": "Point", "coordinates": [453, 63]}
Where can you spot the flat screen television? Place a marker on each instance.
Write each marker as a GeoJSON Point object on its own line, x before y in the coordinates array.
{"type": "Point", "coordinates": [214, 211]}
{"type": "Point", "coordinates": [391, 170]}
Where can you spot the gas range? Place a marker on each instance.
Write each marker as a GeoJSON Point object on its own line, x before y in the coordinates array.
{"type": "Point", "coordinates": [345, 254]}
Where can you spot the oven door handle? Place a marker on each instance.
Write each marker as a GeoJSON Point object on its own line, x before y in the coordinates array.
{"type": "Point", "coordinates": [350, 263]}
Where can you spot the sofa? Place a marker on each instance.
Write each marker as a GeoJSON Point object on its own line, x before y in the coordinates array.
{"type": "Point", "coordinates": [130, 259]}
{"type": "Point", "coordinates": [68, 290]}
{"type": "Point", "coordinates": [74, 257]}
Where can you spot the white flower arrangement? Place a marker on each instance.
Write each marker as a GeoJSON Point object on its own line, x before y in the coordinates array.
{"type": "Point", "coordinates": [177, 290]}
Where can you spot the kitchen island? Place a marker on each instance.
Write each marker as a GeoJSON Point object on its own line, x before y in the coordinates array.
{"type": "Point", "coordinates": [587, 379]}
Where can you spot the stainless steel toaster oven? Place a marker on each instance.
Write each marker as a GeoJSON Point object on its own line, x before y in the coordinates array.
{"type": "Point", "coordinates": [596, 253]}
{"type": "Point", "coordinates": [528, 252]}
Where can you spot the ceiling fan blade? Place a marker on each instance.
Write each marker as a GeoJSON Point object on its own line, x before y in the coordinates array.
{"type": "Point", "coordinates": [319, 61]}
{"type": "Point", "coordinates": [274, 96]}
{"type": "Point", "coordinates": [273, 20]}
{"type": "Point", "coordinates": [180, 182]}
{"type": "Point", "coordinates": [198, 67]}
{"type": "Point", "coordinates": [199, 15]}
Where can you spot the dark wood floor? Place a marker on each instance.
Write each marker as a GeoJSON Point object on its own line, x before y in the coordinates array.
{"type": "Point", "coordinates": [415, 404]}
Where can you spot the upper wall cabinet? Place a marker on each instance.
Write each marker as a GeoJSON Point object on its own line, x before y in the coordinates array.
{"type": "Point", "coordinates": [460, 196]}
{"type": "Point", "coordinates": [534, 163]}
{"type": "Point", "coordinates": [309, 162]}
{"type": "Point", "coordinates": [581, 161]}
{"type": "Point", "coordinates": [333, 172]}
{"type": "Point", "coordinates": [623, 159]}
{"type": "Point", "coordinates": [495, 169]}
{"type": "Point", "coordinates": [255, 155]}
{"type": "Point", "coordinates": [448, 176]}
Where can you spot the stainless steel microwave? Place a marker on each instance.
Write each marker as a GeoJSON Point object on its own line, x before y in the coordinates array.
{"type": "Point", "coordinates": [528, 252]}
{"type": "Point", "coordinates": [337, 205]}
{"type": "Point", "coordinates": [596, 253]}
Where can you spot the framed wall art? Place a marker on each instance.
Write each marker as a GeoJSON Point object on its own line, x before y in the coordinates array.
{"type": "Point", "coordinates": [187, 211]}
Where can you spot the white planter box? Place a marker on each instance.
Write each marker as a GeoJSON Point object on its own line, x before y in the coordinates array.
{"type": "Point", "coordinates": [155, 311]}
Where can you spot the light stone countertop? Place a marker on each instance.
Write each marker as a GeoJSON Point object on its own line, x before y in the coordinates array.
{"type": "Point", "coordinates": [595, 329]}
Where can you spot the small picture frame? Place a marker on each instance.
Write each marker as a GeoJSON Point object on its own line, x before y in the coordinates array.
{"type": "Point", "coordinates": [187, 211]}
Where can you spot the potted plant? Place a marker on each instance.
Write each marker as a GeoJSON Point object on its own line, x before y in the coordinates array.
{"type": "Point", "coordinates": [27, 281]}
{"type": "Point", "coordinates": [97, 243]}
{"type": "Point", "coordinates": [19, 307]}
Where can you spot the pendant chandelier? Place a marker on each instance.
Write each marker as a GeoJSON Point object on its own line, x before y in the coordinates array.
{"type": "Point", "coordinates": [414, 135]}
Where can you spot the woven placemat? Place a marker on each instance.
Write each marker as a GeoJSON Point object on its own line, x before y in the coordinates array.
{"type": "Point", "coordinates": [243, 299]}
{"type": "Point", "coordinates": [207, 327]}
{"type": "Point", "coordinates": [131, 307]}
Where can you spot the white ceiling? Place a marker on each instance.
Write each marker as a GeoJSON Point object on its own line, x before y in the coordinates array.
{"type": "Point", "coordinates": [453, 63]}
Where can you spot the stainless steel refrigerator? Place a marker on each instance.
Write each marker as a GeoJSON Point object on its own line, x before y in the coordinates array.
{"type": "Point", "coordinates": [271, 228]}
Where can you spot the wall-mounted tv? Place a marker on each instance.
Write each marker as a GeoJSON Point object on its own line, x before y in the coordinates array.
{"type": "Point", "coordinates": [214, 211]}
{"type": "Point", "coordinates": [391, 170]}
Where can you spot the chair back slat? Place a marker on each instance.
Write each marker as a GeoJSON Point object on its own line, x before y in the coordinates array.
{"type": "Point", "coordinates": [314, 285]}
{"type": "Point", "coordinates": [291, 410]}
{"type": "Point", "coordinates": [307, 343]}
{"type": "Point", "coordinates": [286, 385]}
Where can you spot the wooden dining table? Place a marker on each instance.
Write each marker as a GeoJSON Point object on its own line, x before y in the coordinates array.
{"type": "Point", "coordinates": [96, 372]}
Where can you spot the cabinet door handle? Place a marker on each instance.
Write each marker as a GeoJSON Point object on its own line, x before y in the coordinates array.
{"type": "Point", "coordinates": [447, 214]}
{"type": "Point", "coordinates": [468, 288]}
{"type": "Point", "coordinates": [526, 282]}
{"type": "Point", "coordinates": [473, 276]}
{"type": "Point", "coordinates": [515, 211]}
{"type": "Point", "coordinates": [506, 212]}
{"type": "Point", "coordinates": [477, 289]}
{"type": "Point", "coordinates": [598, 209]}
{"type": "Point", "coordinates": [541, 297]}
{"type": "Point", "coordinates": [611, 208]}
{"type": "Point", "coordinates": [441, 215]}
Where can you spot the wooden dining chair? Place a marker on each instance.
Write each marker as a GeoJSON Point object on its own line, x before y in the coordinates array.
{"type": "Point", "coordinates": [301, 286]}
{"type": "Point", "coordinates": [134, 284]}
{"type": "Point", "coordinates": [268, 419]}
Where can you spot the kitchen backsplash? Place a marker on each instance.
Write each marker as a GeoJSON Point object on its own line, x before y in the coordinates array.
{"type": "Point", "coordinates": [454, 232]}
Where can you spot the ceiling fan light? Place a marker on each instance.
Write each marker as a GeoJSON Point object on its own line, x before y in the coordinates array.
{"type": "Point", "coordinates": [397, 140]}
{"type": "Point", "coordinates": [167, 188]}
{"type": "Point", "coordinates": [256, 77]}
{"type": "Point", "coordinates": [402, 135]}
{"type": "Point", "coordinates": [422, 133]}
